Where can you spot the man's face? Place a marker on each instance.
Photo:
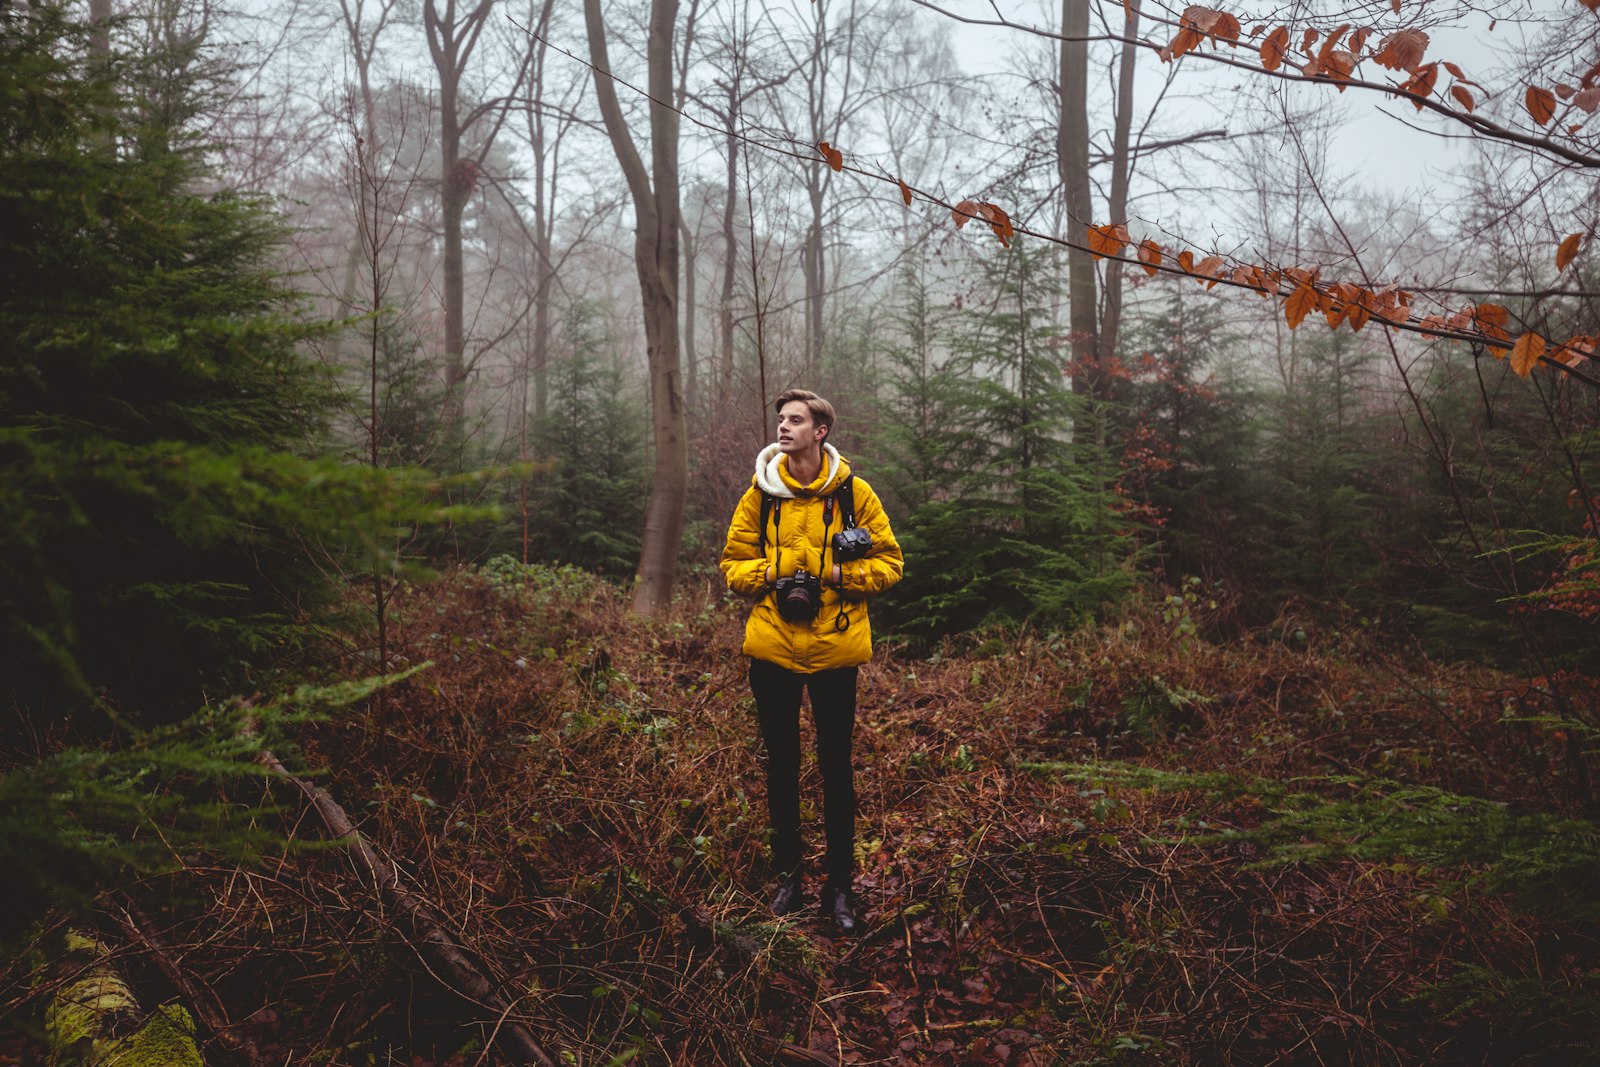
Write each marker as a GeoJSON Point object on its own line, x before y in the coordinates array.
{"type": "Point", "coordinates": [797, 431]}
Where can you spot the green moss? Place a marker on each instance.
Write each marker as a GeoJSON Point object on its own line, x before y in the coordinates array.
{"type": "Point", "coordinates": [80, 1014]}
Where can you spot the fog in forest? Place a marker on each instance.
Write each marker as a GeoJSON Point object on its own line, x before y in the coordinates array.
{"type": "Point", "coordinates": [380, 378]}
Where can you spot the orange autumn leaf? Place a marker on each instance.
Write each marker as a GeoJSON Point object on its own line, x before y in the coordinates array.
{"type": "Point", "coordinates": [1186, 40]}
{"type": "Point", "coordinates": [1108, 240]}
{"type": "Point", "coordinates": [1396, 5]}
{"type": "Point", "coordinates": [1302, 302]}
{"type": "Point", "coordinates": [998, 221]}
{"type": "Point", "coordinates": [1218, 25]}
{"type": "Point", "coordinates": [1274, 48]}
{"type": "Point", "coordinates": [1456, 73]}
{"type": "Point", "coordinates": [1210, 267]}
{"type": "Point", "coordinates": [1398, 313]}
{"type": "Point", "coordinates": [1401, 50]}
{"type": "Point", "coordinates": [1568, 250]}
{"type": "Point", "coordinates": [962, 212]}
{"type": "Point", "coordinates": [834, 157]}
{"type": "Point", "coordinates": [1335, 312]}
{"type": "Point", "coordinates": [1421, 82]}
{"type": "Point", "coordinates": [1541, 104]}
{"type": "Point", "coordinates": [905, 191]}
{"type": "Point", "coordinates": [1359, 39]}
{"type": "Point", "coordinates": [1576, 350]}
{"type": "Point", "coordinates": [1307, 39]}
{"type": "Point", "coordinates": [1587, 99]}
{"type": "Point", "coordinates": [1330, 42]}
{"type": "Point", "coordinates": [1462, 97]}
{"type": "Point", "coordinates": [1150, 256]}
{"type": "Point", "coordinates": [1338, 64]}
{"type": "Point", "coordinates": [1357, 316]}
{"type": "Point", "coordinates": [1526, 352]}
{"type": "Point", "coordinates": [1186, 260]}
{"type": "Point", "coordinates": [1491, 321]}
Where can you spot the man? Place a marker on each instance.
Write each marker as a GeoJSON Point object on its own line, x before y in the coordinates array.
{"type": "Point", "coordinates": [808, 628]}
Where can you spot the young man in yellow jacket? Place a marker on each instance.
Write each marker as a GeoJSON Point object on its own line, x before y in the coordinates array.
{"type": "Point", "coordinates": [788, 547]}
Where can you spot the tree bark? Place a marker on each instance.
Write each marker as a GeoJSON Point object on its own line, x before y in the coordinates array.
{"type": "Point", "coordinates": [451, 41]}
{"type": "Point", "coordinates": [1121, 169]}
{"type": "Point", "coordinates": [100, 28]}
{"type": "Point", "coordinates": [1072, 160]}
{"type": "Point", "coordinates": [656, 257]}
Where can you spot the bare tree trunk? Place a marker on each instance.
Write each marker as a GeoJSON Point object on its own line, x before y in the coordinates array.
{"type": "Point", "coordinates": [730, 262]}
{"type": "Point", "coordinates": [1121, 166]}
{"type": "Point", "coordinates": [543, 216]}
{"type": "Point", "coordinates": [656, 256]}
{"type": "Point", "coordinates": [690, 360]}
{"type": "Point", "coordinates": [99, 28]}
{"type": "Point", "coordinates": [1072, 159]}
{"type": "Point", "coordinates": [451, 41]}
{"type": "Point", "coordinates": [816, 277]}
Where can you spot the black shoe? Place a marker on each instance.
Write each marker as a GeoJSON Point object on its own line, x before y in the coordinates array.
{"type": "Point", "coordinates": [841, 904]}
{"type": "Point", "coordinates": [790, 895]}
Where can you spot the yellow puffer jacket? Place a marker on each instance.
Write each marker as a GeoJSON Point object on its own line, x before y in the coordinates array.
{"type": "Point", "coordinates": [840, 635]}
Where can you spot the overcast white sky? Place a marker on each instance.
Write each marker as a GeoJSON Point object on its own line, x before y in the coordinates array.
{"type": "Point", "coordinates": [1382, 143]}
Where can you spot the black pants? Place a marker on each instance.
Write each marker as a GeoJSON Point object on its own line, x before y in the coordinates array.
{"type": "Point", "coordinates": [833, 710]}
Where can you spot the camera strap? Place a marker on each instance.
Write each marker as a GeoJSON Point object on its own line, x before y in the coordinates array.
{"type": "Point", "coordinates": [772, 511]}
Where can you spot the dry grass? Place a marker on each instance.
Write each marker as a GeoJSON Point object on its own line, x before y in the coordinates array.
{"type": "Point", "coordinates": [579, 793]}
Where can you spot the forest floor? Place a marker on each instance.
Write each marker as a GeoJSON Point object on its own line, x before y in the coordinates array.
{"type": "Point", "coordinates": [1126, 845]}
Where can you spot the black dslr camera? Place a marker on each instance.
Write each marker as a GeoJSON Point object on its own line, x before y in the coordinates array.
{"type": "Point", "coordinates": [799, 596]}
{"type": "Point", "coordinates": [852, 543]}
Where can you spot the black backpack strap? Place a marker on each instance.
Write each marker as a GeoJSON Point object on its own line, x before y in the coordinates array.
{"type": "Point", "coordinates": [846, 495]}
{"type": "Point", "coordinates": [766, 516]}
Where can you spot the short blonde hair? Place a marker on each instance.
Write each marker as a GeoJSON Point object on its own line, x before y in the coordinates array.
{"type": "Point", "coordinates": [821, 411]}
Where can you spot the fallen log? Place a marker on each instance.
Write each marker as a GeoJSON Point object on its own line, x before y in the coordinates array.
{"type": "Point", "coordinates": [94, 1020]}
{"type": "Point", "coordinates": [433, 942]}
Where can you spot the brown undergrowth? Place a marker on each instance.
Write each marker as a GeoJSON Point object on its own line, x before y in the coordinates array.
{"type": "Point", "coordinates": [580, 795]}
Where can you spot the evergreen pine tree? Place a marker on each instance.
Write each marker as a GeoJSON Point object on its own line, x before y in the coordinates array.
{"type": "Point", "coordinates": [1007, 521]}
{"type": "Point", "coordinates": [590, 506]}
{"type": "Point", "coordinates": [159, 518]}
{"type": "Point", "coordinates": [146, 347]}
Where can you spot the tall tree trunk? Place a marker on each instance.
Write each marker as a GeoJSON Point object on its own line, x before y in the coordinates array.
{"type": "Point", "coordinates": [656, 257]}
{"type": "Point", "coordinates": [816, 277]}
{"type": "Point", "coordinates": [1072, 160]}
{"type": "Point", "coordinates": [100, 27]}
{"type": "Point", "coordinates": [451, 41]}
{"type": "Point", "coordinates": [691, 394]}
{"type": "Point", "coordinates": [730, 262]}
{"type": "Point", "coordinates": [1121, 168]}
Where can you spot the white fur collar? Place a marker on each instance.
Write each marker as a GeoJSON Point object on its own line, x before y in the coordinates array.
{"type": "Point", "coordinates": [770, 479]}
